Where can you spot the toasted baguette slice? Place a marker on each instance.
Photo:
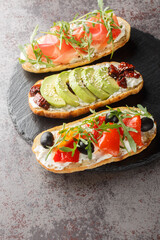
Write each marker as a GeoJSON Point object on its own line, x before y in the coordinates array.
{"type": "Point", "coordinates": [147, 138]}
{"type": "Point", "coordinates": [107, 51]}
{"type": "Point", "coordinates": [77, 111]}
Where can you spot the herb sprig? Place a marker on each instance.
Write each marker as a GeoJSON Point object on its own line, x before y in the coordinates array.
{"type": "Point", "coordinates": [83, 131]}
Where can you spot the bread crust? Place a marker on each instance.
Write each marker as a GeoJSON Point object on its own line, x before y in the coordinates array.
{"type": "Point", "coordinates": [76, 167]}
{"type": "Point", "coordinates": [83, 110]}
{"type": "Point", "coordinates": [108, 50]}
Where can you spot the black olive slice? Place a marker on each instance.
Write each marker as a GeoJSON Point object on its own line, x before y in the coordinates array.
{"type": "Point", "coordinates": [146, 124]}
{"type": "Point", "coordinates": [82, 147]}
{"type": "Point", "coordinates": [47, 139]}
{"type": "Point", "coordinates": [113, 119]}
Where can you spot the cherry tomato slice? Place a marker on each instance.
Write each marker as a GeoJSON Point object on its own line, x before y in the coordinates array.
{"type": "Point", "coordinates": [101, 120]}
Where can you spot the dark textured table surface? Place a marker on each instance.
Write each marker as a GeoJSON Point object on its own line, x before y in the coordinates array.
{"type": "Point", "coordinates": [36, 204]}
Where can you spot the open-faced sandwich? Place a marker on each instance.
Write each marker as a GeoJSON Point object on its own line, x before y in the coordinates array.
{"type": "Point", "coordinates": [73, 92]}
{"type": "Point", "coordinates": [104, 137]}
{"type": "Point", "coordinates": [76, 43]}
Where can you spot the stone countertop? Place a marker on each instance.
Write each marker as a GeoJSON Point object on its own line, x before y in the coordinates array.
{"type": "Point", "coordinates": [36, 204]}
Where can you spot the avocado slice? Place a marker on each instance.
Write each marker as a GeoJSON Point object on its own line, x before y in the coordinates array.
{"type": "Point", "coordinates": [63, 91]}
{"type": "Point", "coordinates": [77, 85]}
{"type": "Point", "coordinates": [90, 82]}
{"type": "Point", "coordinates": [109, 85]}
{"type": "Point", "coordinates": [48, 91]}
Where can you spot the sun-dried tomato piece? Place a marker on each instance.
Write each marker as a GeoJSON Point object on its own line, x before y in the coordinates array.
{"type": "Point", "coordinates": [40, 101]}
{"type": "Point", "coordinates": [136, 75]}
{"type": "Point", "coordinates": [125, 66]}
{"type": "Point", "coordinates": [122, 81]}
{"type": "Point", "coordinates": [124, 70]}
{"type": "Point", "coordinates": [113, 71]}
{"type": "Point", "coordinates": [35, 89]}
{"type": "Point", "coordinates": [131, 74]}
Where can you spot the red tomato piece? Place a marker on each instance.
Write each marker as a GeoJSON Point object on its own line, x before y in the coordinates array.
{"type": "Point", "coordinates": [66, 156]}
{"type": "Point", "coordinates": [134, 122]}
{"type": "Point", "coordinates": [121, 131]}
{"type": "Point", "coordinates": [95, 132]}
{"type": "Point", "coordinates": [101, 120]}
{"type": "Point", "coordinates": [110, 142]}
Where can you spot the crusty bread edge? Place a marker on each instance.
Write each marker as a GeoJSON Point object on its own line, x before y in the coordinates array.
{"type": "Point", "coordinates": [81, 167]}
{"type": "Point", "coordinates": [79, 111]}
{"type": "Point", "coordinates": [108, 50]}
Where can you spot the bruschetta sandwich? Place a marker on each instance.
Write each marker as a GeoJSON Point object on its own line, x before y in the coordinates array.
{"type": "Point", "coordinates": [73, 92]}
{"type": "Point", "coordinates": [75, 43]}
{"type": "Point", "coordinates": [103, 137]}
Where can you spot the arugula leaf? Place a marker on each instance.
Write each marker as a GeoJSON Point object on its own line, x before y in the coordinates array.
{"type": "Point", "coordinates": [22, 49]}
{"type": "Point", "coordinates": [106, 10]}
{"type": "Point", "coordinates": [34, 34]}
{"type": "Point", "coordinates": [74, 148]}
{"type": "Point", "coordinates": [100, 4]}
{"type": "Point", "coordinates": [126, 133]}
{"type": "Point", "coordinates": [144, 110]}
{"type": "Point", "coordinates": [89, 150]}
{"type": "Point", "coordinates": [83, 140]}
{"type": "Point", "coordinates": [21, 61]}
{"type": "Point", "coordinates": [92, 110]}
{"type": "Point", "coordinates": [85, 28]}
{"type": "Point", "coordinates": [66, 149]}
{"type": "Point", "coordinates": [75, 16]}
{"type": "Point", "coordinates": [105, 126]}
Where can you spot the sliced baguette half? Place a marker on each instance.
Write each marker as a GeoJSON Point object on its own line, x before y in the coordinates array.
{"type": "Point", "coordinates": [84, 109]}
{"type": "Point", "coordinates": [107, 51]}
{"type": "Point", "coordinates": [90, 164]}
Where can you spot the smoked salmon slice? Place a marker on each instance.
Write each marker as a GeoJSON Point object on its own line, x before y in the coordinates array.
{"type": "Point", "coordinates": [49, 44]}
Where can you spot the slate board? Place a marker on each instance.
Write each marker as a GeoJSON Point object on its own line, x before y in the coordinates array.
{"type": "Point", "coordinates": [143, 51]}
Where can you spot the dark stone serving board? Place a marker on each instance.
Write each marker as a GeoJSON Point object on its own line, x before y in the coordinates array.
{"type": "Point", "coordinates": [143, 51]}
